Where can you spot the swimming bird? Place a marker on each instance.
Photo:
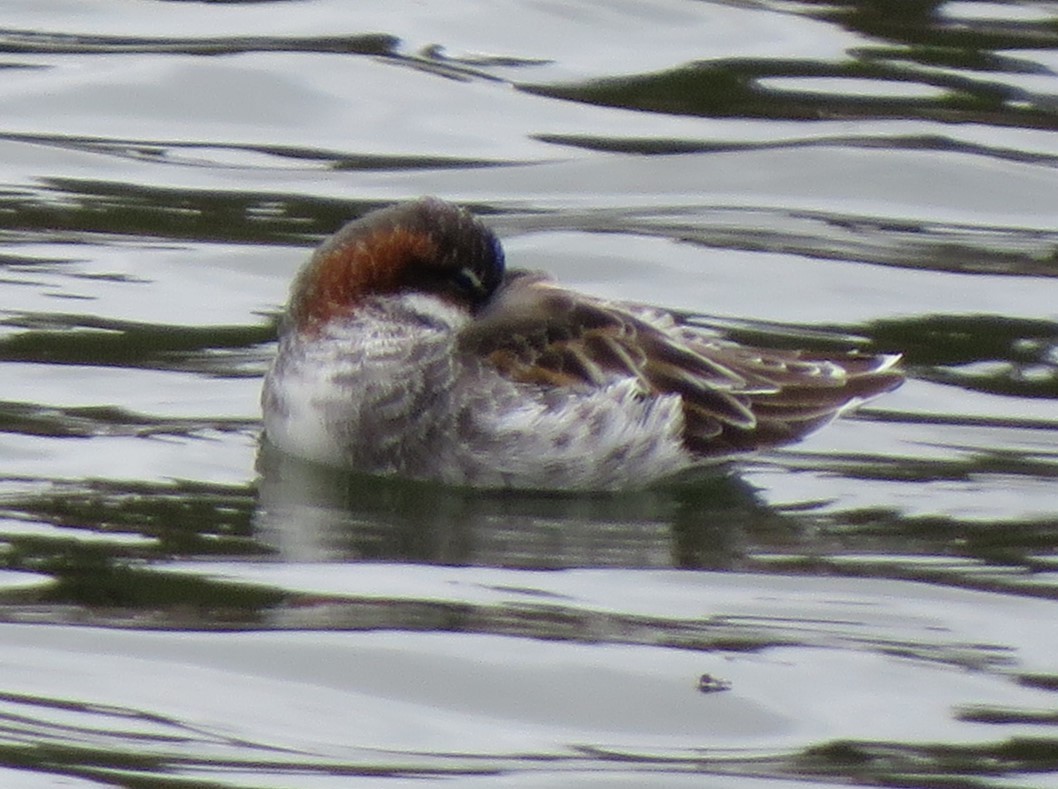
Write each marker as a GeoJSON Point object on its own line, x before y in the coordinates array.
{"type": "Point", "coordinates": [407, 348]}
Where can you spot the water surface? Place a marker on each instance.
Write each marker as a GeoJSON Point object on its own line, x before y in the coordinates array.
{"type": "Point", "coordinates": [872, 606]}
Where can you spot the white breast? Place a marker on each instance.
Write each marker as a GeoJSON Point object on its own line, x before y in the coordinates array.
{"type": "Point", "coordinates": [358, 392]}
{"type": "Point", "coordinates": [387, 392]}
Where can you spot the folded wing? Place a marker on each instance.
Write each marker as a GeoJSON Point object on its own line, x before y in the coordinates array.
{"type": "Point", "coordinates": [736, 398]}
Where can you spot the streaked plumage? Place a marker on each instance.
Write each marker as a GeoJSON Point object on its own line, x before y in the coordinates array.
{"type": "Point", "coordinates": [408, 349]}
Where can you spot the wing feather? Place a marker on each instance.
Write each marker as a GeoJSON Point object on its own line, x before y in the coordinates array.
{"type": "Point", "coordinates": [735, 397]}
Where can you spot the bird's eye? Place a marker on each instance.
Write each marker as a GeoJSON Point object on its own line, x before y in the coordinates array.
{"type": "Point", "coordinates": [468, 280]}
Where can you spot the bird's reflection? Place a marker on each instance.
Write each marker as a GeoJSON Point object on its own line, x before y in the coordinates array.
{"type": "Point", "coordinates": [308, 513]}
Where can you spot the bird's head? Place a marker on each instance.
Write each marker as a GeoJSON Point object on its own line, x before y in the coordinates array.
{"type": "Point", "coordinates": [427, 246]}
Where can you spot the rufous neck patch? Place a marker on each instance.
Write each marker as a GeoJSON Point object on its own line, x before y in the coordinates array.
{"type": "Point", "coordinates": [353, 266]}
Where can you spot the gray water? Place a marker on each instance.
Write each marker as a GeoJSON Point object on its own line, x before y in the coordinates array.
{"type": "Point", "coordinates": [873, 606]}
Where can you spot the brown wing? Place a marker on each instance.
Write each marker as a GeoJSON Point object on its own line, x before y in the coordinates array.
{"type": "Point", "coordinates": [735, 398]}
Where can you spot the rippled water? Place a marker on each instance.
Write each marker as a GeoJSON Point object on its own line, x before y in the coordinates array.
{"type": "Point", "coordinates": [874, 606]}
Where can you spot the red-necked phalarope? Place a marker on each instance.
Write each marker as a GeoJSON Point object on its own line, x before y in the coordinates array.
{"type": "Point", "coordinates": [407, 349]}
